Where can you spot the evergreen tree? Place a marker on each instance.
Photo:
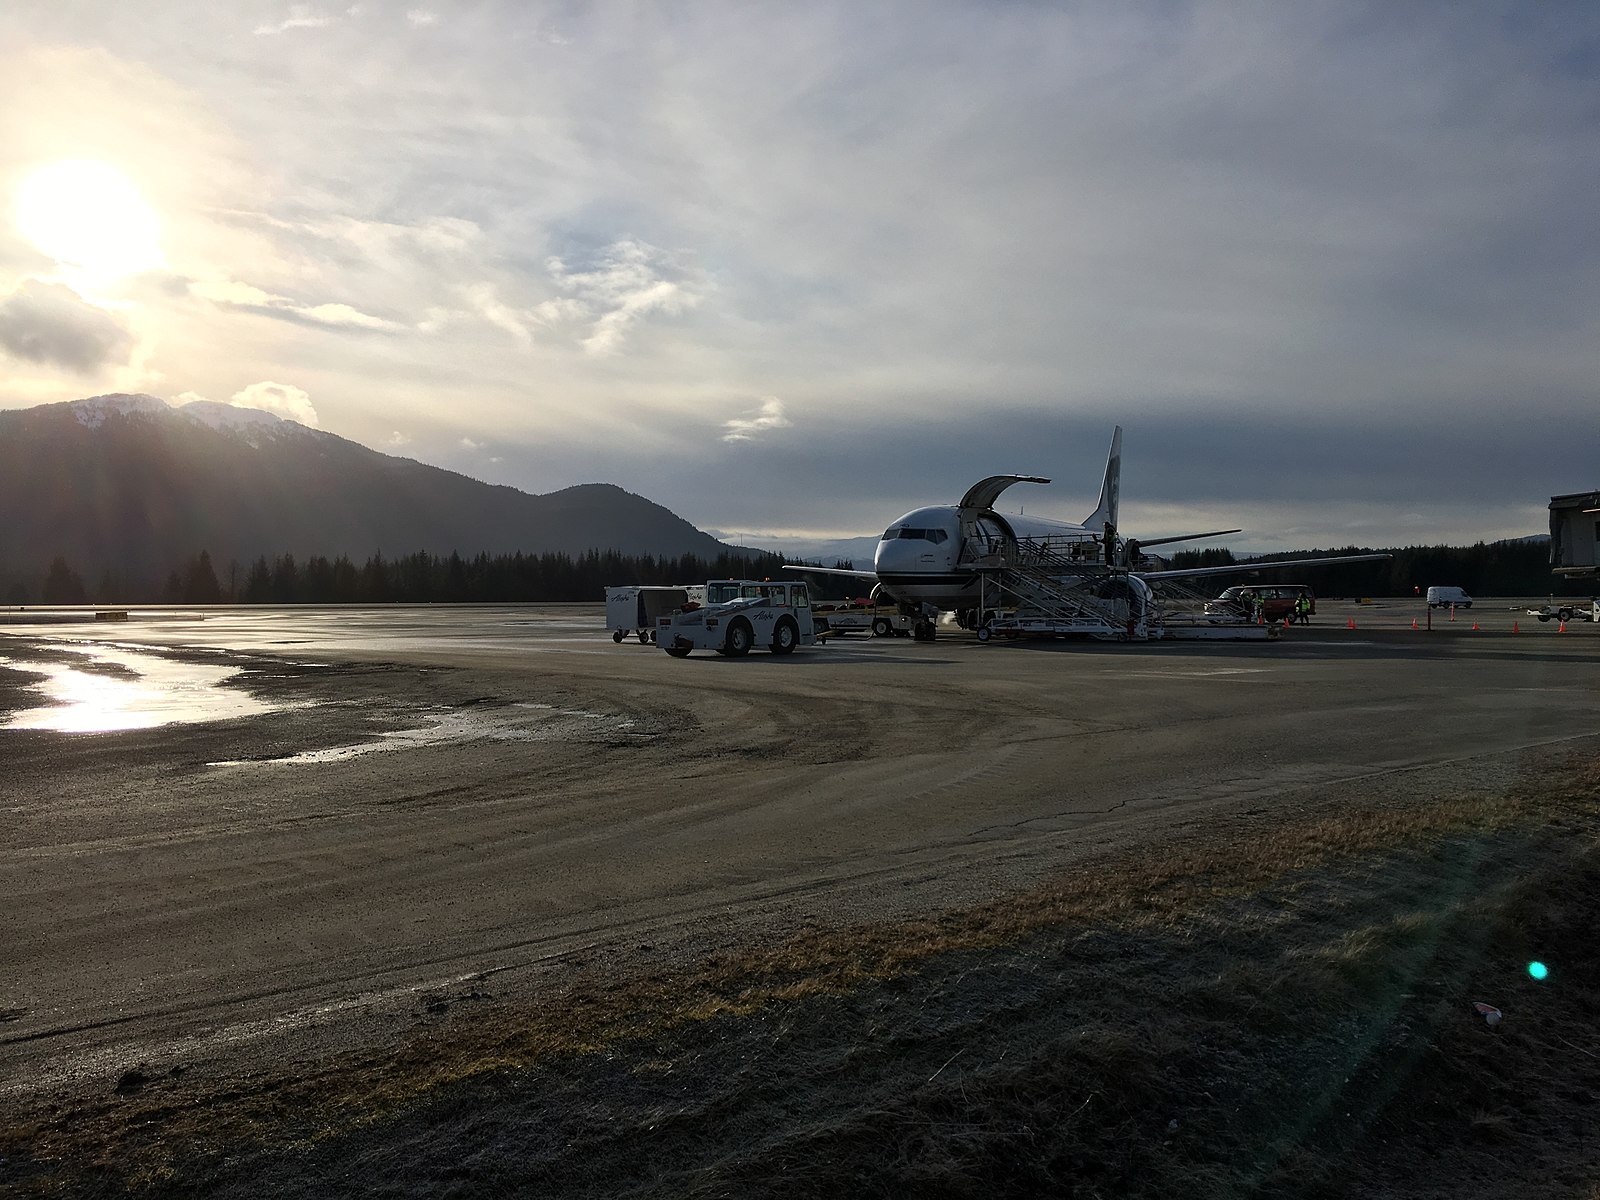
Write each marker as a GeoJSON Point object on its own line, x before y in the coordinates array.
{"type": "Point", "coordinates": [62, 585]}
{"type": "Point", "coordinates": [200, 583]}
{"type": "Point", "coordinates": [285, 580]}
{"type": "Point", "coordinates": [258, 585]}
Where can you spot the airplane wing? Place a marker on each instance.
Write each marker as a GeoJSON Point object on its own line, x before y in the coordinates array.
{"type": "Point", "coordinates": [871, 576]}
{"type": "Point", "coordinates": [1245, 567]}
{"type": "Point", "coordinates": [1183, 537]}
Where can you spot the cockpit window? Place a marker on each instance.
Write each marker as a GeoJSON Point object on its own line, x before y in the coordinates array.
{"type": "Point", "coordinates": [916, 535]}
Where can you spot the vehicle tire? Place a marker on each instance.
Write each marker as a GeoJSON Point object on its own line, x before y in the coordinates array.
{"type": "Point", "coordinates": [1566, 614]}
{"type": "Point", "coordinates": [616, 635]}
{"type": "Point", "coordinates": [677, 651]}
{"type": "Point", "coordinates": [1468, 604]}
{"type": "Point", "coordinates": [652, 637]}
{"type": "Point", "coordinates": [644, 637]}
{"type": "Point", "coordinates": [739, 640]}
{"type": "Point", "coordinates": [1544, 616]}
{"type": "Point", "coordinates": [985, 633]}
{"type": "Point", "coordinates": [881, 627]}
{"type": "Point", "coordinates": [785, 637]}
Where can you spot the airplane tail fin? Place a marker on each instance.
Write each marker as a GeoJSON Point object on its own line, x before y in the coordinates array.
{"type": "Point", "coordinates": [1106, 514]}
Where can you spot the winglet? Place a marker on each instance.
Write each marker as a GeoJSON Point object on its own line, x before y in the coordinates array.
{"type": "Point", "coordinates": [1110, 489]}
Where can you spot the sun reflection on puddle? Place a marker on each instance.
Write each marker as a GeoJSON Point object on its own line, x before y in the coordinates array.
{"type": "Point", "coordinates": [550, 724]}
{"type": "Point", "coordinates": [144, 692]}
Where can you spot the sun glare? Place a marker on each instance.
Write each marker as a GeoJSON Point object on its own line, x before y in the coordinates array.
{"type": "Point", "coordinates": [90, 218]}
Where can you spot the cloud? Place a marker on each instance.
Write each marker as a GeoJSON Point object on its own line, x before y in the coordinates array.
{"type": "Point", "coordinates": [768, 416]}
{"type": "Point", "coordinates": [483, 301]}
{"type": "Point", "coordinates": [249, 298]}
{"type": "Point", "coordinates": [468, 444]}
{"type": "Point", "coordinates": [986, 235]}
{"type": "Point", "coordinates": [630, 281]}
{"type": "Point", "coordinates": [281, 399]}
{"type": "Point", "coordinates": [421, 18]}
{"type": "Point", "coordinates": [301, 16]}
{"type": "Point", "coordinates": [397, 439]}
{"type": "Point", "coordinates": [50, 323]}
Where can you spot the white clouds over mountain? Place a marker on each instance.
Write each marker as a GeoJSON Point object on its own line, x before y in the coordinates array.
{"type": "Point", "coordinates": [280, 399]}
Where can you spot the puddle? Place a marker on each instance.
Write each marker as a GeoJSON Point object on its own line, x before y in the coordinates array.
{"type": "Point", "coordinates": [119, 688]}
{"type": "Point", "coordinates": [528, 723]}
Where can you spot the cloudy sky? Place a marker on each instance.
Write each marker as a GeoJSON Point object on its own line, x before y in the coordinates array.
{"type": "Point", "coordinates": [797, 268]}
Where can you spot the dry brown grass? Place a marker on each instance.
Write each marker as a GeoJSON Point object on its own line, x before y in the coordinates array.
{"type": "Point", "coordinates": [1252, 964]}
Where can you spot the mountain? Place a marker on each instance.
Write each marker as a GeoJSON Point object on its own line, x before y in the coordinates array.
{"type": "Point", "coordinates": [129, 484]}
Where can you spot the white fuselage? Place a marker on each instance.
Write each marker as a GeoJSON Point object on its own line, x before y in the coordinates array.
{"type": "Point", "coordinates": [929, 555]}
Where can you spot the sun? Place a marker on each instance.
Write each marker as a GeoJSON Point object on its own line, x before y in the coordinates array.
{"type": "Point", "coordinates": [90, 218]}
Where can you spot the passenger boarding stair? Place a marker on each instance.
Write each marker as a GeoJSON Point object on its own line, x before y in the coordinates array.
{"type": "Point", "coordinates": [1052, 583]}
{"type": "Point", "coordinates": [1061, 586]}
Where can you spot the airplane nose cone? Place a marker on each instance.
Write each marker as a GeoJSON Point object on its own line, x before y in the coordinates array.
{"type": "Point", "coordinates": [895, 556]}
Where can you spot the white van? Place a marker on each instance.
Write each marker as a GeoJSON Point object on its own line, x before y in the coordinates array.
{"type": "Point", "coordinates": [1448, 597]}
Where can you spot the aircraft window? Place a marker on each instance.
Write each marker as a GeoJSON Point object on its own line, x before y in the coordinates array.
{"type": "Point", "coordinates": [936, 536]}
{"type": "Point", "coordinates": [889, 535]}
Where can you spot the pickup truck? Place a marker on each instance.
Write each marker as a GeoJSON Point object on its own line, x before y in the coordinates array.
{"type": "Point", "coordinates": [880, 620]}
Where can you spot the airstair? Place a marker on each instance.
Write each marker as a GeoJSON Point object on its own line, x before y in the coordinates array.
{"type": "Point", "coordinates": [1061, 586]}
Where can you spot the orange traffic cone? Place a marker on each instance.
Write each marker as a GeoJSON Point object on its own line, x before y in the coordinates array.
{"type": "Point", "coordinates": [1413, 622]}
{"type": "Point", "coordinates": [1516, 627]}
{"type": "Point", "coordinates": [1350, 624]}
{"type": "Point", "coordinates": [1474, 627]}
{"type": "Point", "coordinates": [1561, 628]}
{"type": "Point", "coordinates": [1452, 612]}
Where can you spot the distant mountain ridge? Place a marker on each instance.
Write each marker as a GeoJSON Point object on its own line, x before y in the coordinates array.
{"type": "Point", "coordinates": [130, 484]}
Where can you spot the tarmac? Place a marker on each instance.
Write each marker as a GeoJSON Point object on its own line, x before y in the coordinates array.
{"type": "Point", "coordinates": [426, 808]}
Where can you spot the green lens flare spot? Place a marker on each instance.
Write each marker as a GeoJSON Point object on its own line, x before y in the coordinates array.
{"type": "Point", "coordinates": [1538, 970]}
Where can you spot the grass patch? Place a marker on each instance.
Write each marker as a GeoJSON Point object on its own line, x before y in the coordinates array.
{"type": "Point", "coordinates": [1285, 1012]}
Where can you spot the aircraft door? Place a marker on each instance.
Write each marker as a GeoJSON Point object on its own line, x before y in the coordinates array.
{"type": "Point", "coordinates": [988, 537]}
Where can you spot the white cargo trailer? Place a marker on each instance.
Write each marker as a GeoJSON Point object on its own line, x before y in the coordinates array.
{"type": "Point", "coordinates": [636, 610]}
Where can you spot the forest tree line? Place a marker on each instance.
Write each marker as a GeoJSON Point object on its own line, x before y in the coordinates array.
{"type": "Point", "coordinates": [1484, 569]}
{"type": "Point", "coordinates": [419, 578]}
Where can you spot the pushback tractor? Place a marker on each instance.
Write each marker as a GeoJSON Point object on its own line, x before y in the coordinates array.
{"type": "Point", "coordinates": [740, 615]}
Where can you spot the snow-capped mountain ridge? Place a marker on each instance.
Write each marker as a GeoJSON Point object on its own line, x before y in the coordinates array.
{"type": "Point", "coordinates": [92, 413]}
{"type": "Point", "coordinates": [252, 425]}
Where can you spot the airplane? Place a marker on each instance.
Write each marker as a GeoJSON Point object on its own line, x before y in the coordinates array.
{"type": "Point", "coordinates": [927, 560]}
